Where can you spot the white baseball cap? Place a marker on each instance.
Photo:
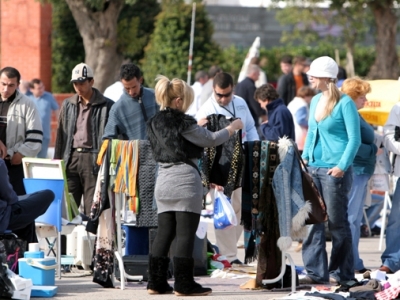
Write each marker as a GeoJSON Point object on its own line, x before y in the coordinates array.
{"type": "Point", "coordinates": [323, 67]}
{"type": "Point", "coordinates": [81, 72]}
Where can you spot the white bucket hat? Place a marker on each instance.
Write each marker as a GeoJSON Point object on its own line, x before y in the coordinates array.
{"type": "Point", "coordinates": [323, 67]}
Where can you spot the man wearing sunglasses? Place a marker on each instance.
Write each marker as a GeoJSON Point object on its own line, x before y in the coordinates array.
{"type": "Point", "coordinates": [224, 102]}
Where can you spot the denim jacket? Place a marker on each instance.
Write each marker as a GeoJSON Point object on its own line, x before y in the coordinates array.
{"type": "Point", "coordinates": [293, 210]}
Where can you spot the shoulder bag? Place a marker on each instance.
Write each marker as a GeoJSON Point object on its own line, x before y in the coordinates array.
{"type": "Point", "coordinates": [310, 192]}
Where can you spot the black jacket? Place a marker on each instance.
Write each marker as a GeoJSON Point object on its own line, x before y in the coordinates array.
{"type": "Point", "coordinates": [246, 89]}
{"type": "Point", "coordinates": [164, 132]}
{"type": "Point", "coordinates": [287, 86]}
{"type": "Point", "coordinates": [67, 124]}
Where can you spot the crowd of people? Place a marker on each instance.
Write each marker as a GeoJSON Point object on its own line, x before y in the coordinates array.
{"type": "Point", "coordinates": [337, 144]}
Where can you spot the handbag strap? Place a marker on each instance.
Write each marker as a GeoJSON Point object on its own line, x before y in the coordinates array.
{"type": "Point", "coordinates": [296, 151]}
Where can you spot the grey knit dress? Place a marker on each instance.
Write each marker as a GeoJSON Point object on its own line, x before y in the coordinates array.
{"type": "Point", "coordinates": [178, 186]}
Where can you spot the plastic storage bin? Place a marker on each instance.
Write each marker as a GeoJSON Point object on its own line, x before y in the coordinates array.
{"type": "Point", "coordinates": [136, 240]}
{"type": "Point", "coordinates": [40, 270]}
{"type": "Point", "coordinates": [33, 254]}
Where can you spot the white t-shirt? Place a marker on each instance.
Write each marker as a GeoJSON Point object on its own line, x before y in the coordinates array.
{"type": "Point", "coordinates": [114, 91]}
{"type": "Point", "coordinates": [194, 107]}
{"type": "Point", "coordinates": [236, 108]}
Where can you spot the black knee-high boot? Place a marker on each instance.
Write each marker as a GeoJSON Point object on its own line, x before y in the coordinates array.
{"type": "Point", "coordinates": [158, 275]}
{"type": "Point", "coordinates": [184, 281]}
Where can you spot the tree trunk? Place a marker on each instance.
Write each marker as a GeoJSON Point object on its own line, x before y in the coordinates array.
{"type": "Point", "coordinates": [386, 65]}
{"type": "Point", "coordinates": [349, 60]}
{"type": "Point", "coordinates": [98, 29]}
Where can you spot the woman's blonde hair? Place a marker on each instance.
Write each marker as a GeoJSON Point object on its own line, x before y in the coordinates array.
{"type": "Point", "coordinates": [333, 98]}
{"type": "Point", "coordinates": [167, 90]}
{"type": "Point", "coordinates": [356, 87]}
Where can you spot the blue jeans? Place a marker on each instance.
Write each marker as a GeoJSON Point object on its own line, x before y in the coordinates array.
{"type": "Point", "coordinates": [357, 196]}
{"type": "Point", "coordinates": [335, 193]}
{"type": "Point", "coordinates": [391, 256]}
{"type": "Point", "coordinates": [45, 147]}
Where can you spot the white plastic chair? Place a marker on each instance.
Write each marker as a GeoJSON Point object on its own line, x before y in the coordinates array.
{"type": "Point", "coordinates": [53, 215]}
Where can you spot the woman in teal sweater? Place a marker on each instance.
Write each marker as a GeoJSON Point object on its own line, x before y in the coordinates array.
{"type": "Point", "coordinates": [363, 166]}
{"type": "Point", "coordinates": [332, 142]}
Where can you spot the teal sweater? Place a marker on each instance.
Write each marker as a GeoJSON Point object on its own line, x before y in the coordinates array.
{"type": "Point", "coordinates": [364, 162]}
{"type": "Point", "coordinates": [339, 134]}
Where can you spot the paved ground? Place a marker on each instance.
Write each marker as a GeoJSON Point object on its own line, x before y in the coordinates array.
{"type": "Point", "coordinates": [71, 288]}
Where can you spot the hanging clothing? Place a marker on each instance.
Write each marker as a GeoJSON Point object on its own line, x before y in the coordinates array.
{"type": "Point", "coordinates": [223, 165]}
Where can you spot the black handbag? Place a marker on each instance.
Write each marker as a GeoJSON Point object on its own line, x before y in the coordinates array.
{"type": "Point", "coordinates": [310, 192]}
{"type": "Point", "coordinates": [11, 249]}
{"type": "Point", "coordinates": [6, 286]}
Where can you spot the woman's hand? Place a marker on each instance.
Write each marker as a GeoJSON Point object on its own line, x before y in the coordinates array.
{"type": "Point", "coordinates": [379, 152]}
{"type": "Point", "coordinates": [335, 172]}
{"type": "Point", "coordinates": [217, 187]}
{"type": "Point", "coordinates": [202, 122]}
{"type": "Point", "coordinates": [235, 125]}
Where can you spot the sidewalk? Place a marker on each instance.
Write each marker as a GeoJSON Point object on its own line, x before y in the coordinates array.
{"type": "Point", "coordinates": [71, 288]}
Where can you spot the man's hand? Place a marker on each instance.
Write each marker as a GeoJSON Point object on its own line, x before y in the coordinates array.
{"type": "Point", "coordinates": [202, 122]}
{"type": "Point", "coordinates": [3, 150]}
{"type": "Point", "coordinates": [17, 158]}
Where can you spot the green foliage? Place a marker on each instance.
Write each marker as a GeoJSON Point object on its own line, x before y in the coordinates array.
{"type": "Point", "coordinates": [135, 25]}
{"type": "Point", "coordinates": [352, 20]}
{"type": "Point", "coordinates": [168, 50]}
{"type": "Point", "coordinates": [67, 48]}
{"type": "Point", "coordinates": [232, 58]}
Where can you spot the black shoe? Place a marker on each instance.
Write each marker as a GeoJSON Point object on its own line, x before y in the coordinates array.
{"type": "Point", "coordinates": [184, 281]}
{"type": "Point", "coordinates": [362, 271]}
{"type": "Point", "coordinates": [158, 275]}
{"type": "Point", "coordinates": [364, 232]}
{"type": "Point", "coordinates": [236, 262]}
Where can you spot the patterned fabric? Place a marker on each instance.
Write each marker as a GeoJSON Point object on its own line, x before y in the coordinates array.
{"type": "Point", "coordinates": [147, 217]}
{"type": "Point", "coordinates": [388, 294]}
{"type": "Point", "coordinates": [269, 255]}
{"type": "Point", "coordinates": [223, 165]}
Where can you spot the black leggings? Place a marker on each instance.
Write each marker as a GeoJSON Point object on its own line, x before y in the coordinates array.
{"type": "Point", "coordinates": [181, 224]}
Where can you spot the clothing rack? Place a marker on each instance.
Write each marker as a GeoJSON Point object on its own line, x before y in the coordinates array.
{"type": "Point", "coordinates": [118, 253]}
{"type": "Point", "coordinates": [283, 270]}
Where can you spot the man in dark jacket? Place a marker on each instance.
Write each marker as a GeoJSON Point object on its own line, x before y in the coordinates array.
{"type": "Point", "coordinates": [81, 124]}
{"type": "Point", "coordinates": [19, 215]}
{"type": "Point", "coordinates": [246, 89]}
{"type": "Point", "coordinates": [289, 84]}
{"type": "Point", "coordinates": [280, 121]}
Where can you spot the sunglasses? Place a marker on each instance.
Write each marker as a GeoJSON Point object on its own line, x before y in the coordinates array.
{"type": "Point", "coordinates": [222, 95]}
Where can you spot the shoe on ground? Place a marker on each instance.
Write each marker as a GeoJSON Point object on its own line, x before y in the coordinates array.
{"type": "Point", "coordinates": [362, 271]}
{"type": "Point", "coordinates": [196, 290]}
{"type": "Point", "coordinates": [299, 247]}
{"type": "Point", "coordinates": [364, 231]}
{"type": "Point", "coordinates": [236, 262]}
{"type": "Point", "coordinates": [307, 280]}
{"type": "Point", "coordinates": [385, 269]}
{"type": "Point", "coordinates": [333, 280]}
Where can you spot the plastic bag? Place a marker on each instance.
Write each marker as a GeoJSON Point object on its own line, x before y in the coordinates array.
{"type": "Point", "coordinates": [224, 215]}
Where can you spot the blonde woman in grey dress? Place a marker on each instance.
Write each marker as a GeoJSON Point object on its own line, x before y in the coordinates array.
{"type": "Point", "coordinates": [177, 143]}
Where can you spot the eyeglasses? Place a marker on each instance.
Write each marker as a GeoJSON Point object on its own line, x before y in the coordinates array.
{"type": "Point", "coordinates": [222, 95]}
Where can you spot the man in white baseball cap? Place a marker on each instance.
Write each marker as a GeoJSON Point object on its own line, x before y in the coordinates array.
{"type": "Point", "coordinates": [81, 124]}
